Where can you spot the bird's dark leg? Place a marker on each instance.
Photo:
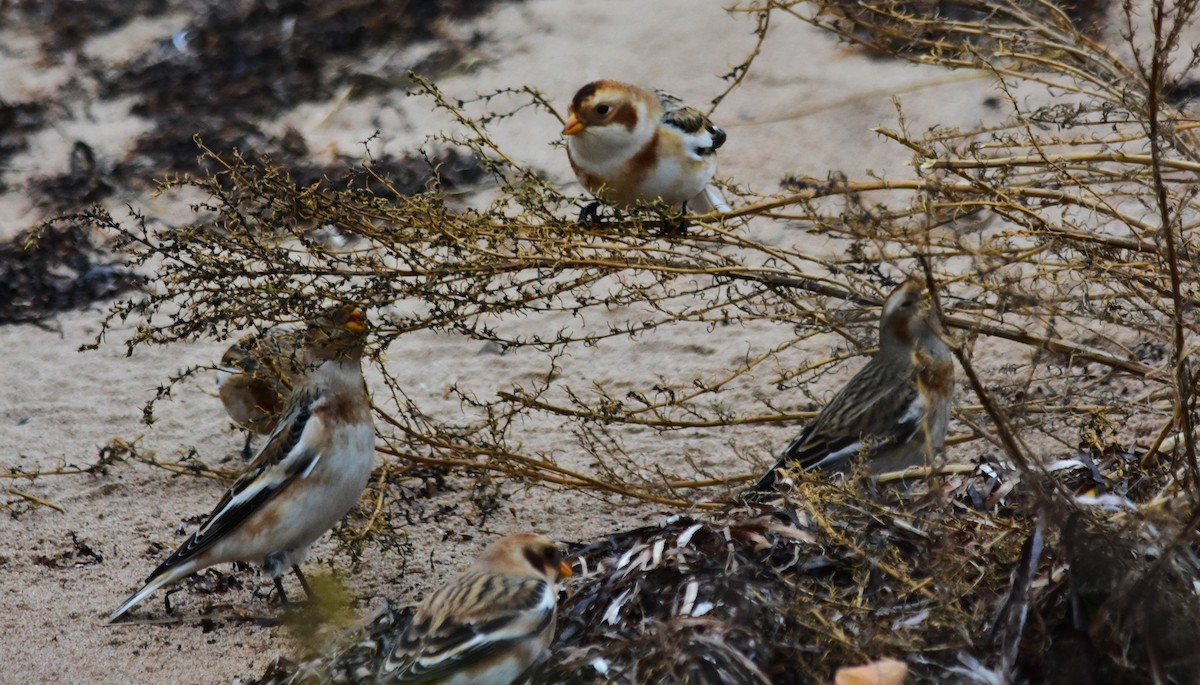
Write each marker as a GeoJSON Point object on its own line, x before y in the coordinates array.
{"type": "Point", "coordinates": [676, 228]}
{"type": "Point", "coordinates": [273, 564]}
{"type": "Point", "coordinates": [246, 453]}
{"type": "Point", "coordinates": [167, 598]}
{"type": "Point", "coordinates": [590, 214]}
{"type": "Point", "coordinates": [283, 598]}
{"type": "Point", "coordinates": [303, 582]}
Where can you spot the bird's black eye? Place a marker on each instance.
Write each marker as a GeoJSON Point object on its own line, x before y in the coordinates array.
{"type": "Point", "coordinates": [603, 109]}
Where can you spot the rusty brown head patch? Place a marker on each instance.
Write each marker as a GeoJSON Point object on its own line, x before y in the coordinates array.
{"type": "Point", "coordinates": [626, 115]}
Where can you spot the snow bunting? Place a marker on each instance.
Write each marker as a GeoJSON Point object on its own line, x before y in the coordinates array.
{"type": "Point", "coordinates": [631, 146]}
{"type": "Point", "coordinates": [256, 375]}
{"type": "Point", "coordinates": [488, 625]}
{"type": "Point", "coordinates": [311, 471]}
{"type": "Point", "coordinates": [895, 410]}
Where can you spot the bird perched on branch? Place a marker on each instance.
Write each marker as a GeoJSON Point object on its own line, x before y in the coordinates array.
{"type": "Point", "coordinates": [311, 471]}
{"type": "Point", "coordinates": [892, 413]}
{"type": "Point", "coordinates": [488, 625]}
{"type": "Point", "coordinates": [630, 146]}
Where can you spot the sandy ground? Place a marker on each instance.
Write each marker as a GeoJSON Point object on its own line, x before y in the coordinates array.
{"type": "Point", "coordinates": [807, 106]}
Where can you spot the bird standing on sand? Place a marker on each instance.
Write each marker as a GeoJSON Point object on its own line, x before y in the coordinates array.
{"type": "Point", "coordinates": [895, 411]}
{"type": "Point", "coordinates": [311, 471]}
{"type": "Point", "coordinates": [630, 146]}
{"type": "Point", "coordinates": [488, 625]}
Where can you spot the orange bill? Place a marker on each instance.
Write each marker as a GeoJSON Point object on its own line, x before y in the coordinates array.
{"type": "Point", "coordinates": [357, 321]}
{"type": "Point", "coordinates": [574, 125]}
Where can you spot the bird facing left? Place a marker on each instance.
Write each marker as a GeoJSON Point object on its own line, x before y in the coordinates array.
{"type": "Point", "coordinates": [255, 378]}
{"type": "Point", "coordinates": [311, 471]}
{"type": "Point", "coordinates": [632, 146]}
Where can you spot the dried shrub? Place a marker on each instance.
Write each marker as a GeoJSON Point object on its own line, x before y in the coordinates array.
{"type": "Point", "coordinates": [1067, 233]}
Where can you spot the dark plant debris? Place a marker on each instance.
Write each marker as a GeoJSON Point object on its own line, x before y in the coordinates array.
{"type": "Point", "coordinates": [238, 63]}
{"type": "Point", "coordinates": [62, 266]}
{"type": "Point", "coordinates": [232, 66]}
{"type": "Point", "coordinates": [67, 24]}
{"type": "Point", "coordinates": [78, 555]}
{"type": "Point", "coordinates": [835, 577]}
{"type": "Point", "coordinates": [390, 176]}
{"type": "Point", "coordinates": [891, 28]}
{"type": "Point", "coordinates": [213, 582]}
{"type": "Point", "coordinates": [17, 121]}
{"type": "Point", "coordinates": [84, 183]}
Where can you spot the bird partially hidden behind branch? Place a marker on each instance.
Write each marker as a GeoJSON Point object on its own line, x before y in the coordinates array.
{"type": "Point", "coordinates": [256, 376]}
{"type": "Point", "coordinates": [631, 146]}
{"type": "Point", "coordinates": [489, 625]}
{"type": "Point", "coordinates": [312, 469]}
{"type": "Point", "coordinates": [894, 412]}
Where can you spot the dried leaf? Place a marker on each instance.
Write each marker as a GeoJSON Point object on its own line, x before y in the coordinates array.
{"type": "Point", "coordinates": [882, 672]}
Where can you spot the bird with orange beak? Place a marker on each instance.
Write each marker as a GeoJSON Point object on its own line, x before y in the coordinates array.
{"type": "Point", "coordinates": [311, 471]}
{"type": "Point", "coordinates": [487, 626]}
{"type": "Point", "coordinates": [631, 146]}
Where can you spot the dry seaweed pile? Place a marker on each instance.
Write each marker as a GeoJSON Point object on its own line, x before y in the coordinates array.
{"type": "Point", "coordinates": [236, 64]}
{"type": "Point", "coordinates": [962, 594]}
{"type": "Point", "coordinates": [685, 602]}
{"type": "Point", "coordinates": [65, 25]}
{"type": "Point", "coordinates": [764, 599]}
{"type": "Point", "coordinates": [939, 27]}
{"type": "Point", "coordinates": [59, 268]}
{"type": "Point", "coordinates": [232, 65]}
{"type": "Point", "coordinates": [357, 662]}
{"type": "Point", "coordinates": [17, 121]}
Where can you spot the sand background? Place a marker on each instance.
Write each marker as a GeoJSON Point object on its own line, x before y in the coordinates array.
{"type": "Point", "coordinates": [807, 107]}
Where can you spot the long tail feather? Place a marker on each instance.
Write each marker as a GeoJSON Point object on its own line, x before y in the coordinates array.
{"type": "Point", "coordinates": [166, 577]}
{"type": "Point", "coordinates": [710, 199]}
{"type": "Point", "coordinates": [767, 482]}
